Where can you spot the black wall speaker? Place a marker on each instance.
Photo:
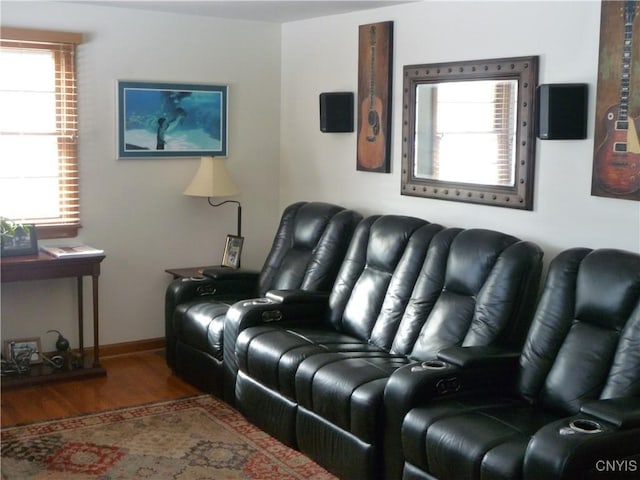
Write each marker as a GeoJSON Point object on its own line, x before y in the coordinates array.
{"type": "Point", "coordinates": [562, 111]}
{"type": "Point", "coordinates": [336, 112]}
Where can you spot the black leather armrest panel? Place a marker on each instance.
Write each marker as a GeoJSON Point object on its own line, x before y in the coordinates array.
{"type": "Point", "coordinates": [259, 311]}
{"type": "Point", "coordinates": [186, 289]}
{"type": "Point", "coordinates": [297, 296]}
{"type": "Point", "coordinates": [488, 369]}
{"type": "Point", "coordinates": [233, 287]}
{"type": "Point", "coordinates": [457, 370]}
{"type": "Point", "coordinates": [229, 284]}
{"type": "Point", "coordinates": [621, 412]}
{"type": "Point", "coordinates": [480, 357]}
{"type": "Point", "coordinates": [561, 451]}
{"type": "Point", "coordinates": [408, 387]}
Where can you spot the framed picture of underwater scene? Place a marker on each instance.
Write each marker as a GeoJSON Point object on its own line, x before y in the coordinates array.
{"type": "Point", "coordinates": [171, 120]}
{"type": "Point", "coordinates": [616, 156]}
{"type": "Point", "coordinates": [375, 50]}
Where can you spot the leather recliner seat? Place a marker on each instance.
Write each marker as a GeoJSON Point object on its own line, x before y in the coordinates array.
{"type": "Point", "coordinates": [307, 251]}
{"type": "Point", "coordinates": [567, 408]}
{"type": "Point", "coordinates": [315, 378]}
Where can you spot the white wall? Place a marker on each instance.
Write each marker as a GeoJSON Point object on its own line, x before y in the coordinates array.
{"type": "Point", "coordinates": [321, 55]}
{"type": "Point", "coordinates": [135, 209]}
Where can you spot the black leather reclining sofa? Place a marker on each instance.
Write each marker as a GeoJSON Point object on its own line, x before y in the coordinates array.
{"type": "Point", "coordinates": [411, 364]}
{"type": "Point", "coordinates": [311, 369]}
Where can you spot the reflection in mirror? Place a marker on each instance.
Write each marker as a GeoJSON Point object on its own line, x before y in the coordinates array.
{"type": "Point", "coordinates": [468, 131]}
{"type": "Point", "coordinates": [465, 131]}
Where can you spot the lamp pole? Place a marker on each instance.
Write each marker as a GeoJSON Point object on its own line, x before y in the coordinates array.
{"type": "Point", "coordinates": [239, 211]}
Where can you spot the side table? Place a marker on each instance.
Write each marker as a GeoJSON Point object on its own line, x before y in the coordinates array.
{"type": "Point", "coordinates": [189, 271]}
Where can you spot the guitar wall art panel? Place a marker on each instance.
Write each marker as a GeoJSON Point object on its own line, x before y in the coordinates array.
{"type": "Point", "coordinates": [375, 49]}
{"type": "Point", "coordinates": [616, 163]}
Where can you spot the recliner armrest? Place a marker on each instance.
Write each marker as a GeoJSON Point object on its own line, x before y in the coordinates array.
{"type": "Point", "coordinates": [292, 307]}
{"type": "Point", "coordinates": [601, 441]}
{"type": "Point", "coordinates": [408, 387]}
{"type": "Point", "coordinates": [455, 371]}
{"type": "Point", "coordinates": [297, 296]}
{"type": "Point", "coordinates": [621, 412]}
{"type": "Point", "coordinates": [186, 289]}
{"type": "Point", "coordinates": [488, 369]}
{"type": "Point", "coordinates": [480, 357]}
{"type": "Point", "coordinates": [260, 311]}
{"type": "Point", "coordinates": [226, 287]}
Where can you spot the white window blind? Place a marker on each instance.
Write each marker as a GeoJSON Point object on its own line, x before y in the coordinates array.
{"type": "Point", "coordinates": [38, 130]}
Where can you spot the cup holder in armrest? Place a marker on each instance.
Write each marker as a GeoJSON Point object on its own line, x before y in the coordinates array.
{"type": "Point", "coordinates": [256, 301]}
{"type": "Point", "coordinates": [585, 426]}
{"type": "Point", "coordinates": [429, 365]}
{"type": "Point", "coordinates": [195, 278]}
{"type": "Point", "coordinates": [581, 425]}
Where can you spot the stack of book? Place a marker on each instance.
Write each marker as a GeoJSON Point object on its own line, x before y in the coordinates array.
{"type": "Point", "coordinates": [64, 251]}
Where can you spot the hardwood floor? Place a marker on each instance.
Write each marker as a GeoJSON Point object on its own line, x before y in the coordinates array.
{"type": "Point", "coordinates": [132, 379]}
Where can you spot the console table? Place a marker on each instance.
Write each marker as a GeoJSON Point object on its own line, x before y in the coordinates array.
{"type": "Point", "coordinates": [44, 266]}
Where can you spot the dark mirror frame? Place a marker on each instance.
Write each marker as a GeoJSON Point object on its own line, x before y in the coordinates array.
{"type": "Point", "coordinates": [520, 195]}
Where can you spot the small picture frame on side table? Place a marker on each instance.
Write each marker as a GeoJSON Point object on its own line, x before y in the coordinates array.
{"type": "Point", "coordinates": [16, 346]}
{"type": "Point", "coordinates": [232, 251]}
{"type": "Point", "coordinates": [23, 241]}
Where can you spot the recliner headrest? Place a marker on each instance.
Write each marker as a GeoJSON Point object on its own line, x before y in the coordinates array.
{"type": "Point", "coordinates": [310, 223]}
{"type": "Point", "coordinates": [388, 238]}
{"type": "Point", "coordinates": [473, 255]}
{"type": "Point", "coordinates": [607, 288]}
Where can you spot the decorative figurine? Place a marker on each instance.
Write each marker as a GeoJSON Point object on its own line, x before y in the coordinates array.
{"type": "Point", "coordinates": [68, 359]}
{"type": "Point", "coordinates": [62, 344]}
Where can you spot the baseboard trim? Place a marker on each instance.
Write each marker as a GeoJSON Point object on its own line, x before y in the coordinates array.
{"type": "Point", "coordinates": [127, 348]}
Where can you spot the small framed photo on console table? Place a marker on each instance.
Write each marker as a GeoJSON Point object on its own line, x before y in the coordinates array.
{"type": "Point", "coordinates": [13, 348]}
{"type": "Point", "coordinates": [232, 251]}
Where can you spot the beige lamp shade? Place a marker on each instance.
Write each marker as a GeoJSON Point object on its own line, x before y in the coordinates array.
{"type": "Point", "coordinates": [212, 180]}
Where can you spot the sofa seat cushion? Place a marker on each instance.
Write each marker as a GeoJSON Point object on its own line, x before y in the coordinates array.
{"type": "Point", "coordinates": [347, 389]}
{"type": "Point", "coordinates": [471, 439]}
{"type": "Point", "coordinates": [271, 355]}
{"type": "Point", "coordinates": [200, 325]}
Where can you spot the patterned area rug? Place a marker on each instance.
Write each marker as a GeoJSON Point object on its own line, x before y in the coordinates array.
{"type": "Point", "coordinates": [195, 438]}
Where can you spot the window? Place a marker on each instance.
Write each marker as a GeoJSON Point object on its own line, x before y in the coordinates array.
{"type": "Point", "coordinates": [38, 130]}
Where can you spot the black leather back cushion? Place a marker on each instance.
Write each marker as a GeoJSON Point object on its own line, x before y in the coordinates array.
{"type": "Point", "coordinates": [307, 249]}
{"type": "Point", "coordinates": [374, 256]}
{"type": "Point", "coordinates": [412, 288]}
{"type": "Point", "coordinates": [584, 343]}
{"type": "Point", "coordinates": [475, 300]}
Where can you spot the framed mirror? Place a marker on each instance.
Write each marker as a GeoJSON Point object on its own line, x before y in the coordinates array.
{"type": "Point", "coordinates": [468, 131]}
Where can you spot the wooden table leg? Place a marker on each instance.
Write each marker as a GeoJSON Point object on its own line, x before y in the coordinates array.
{"type": "Point", "coordinates": [80, 317]}
{"type": "Point", "coordinates": [96, 336]}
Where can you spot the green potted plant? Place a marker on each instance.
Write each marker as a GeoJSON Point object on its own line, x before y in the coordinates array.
{"type": "Point", "coordinates": [7, 227]}
{"type": "Point", "coordinates": [17, 238]}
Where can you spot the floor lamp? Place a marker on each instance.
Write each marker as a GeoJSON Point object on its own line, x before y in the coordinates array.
{"type": "Point", "coordinates": [213, 180]}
